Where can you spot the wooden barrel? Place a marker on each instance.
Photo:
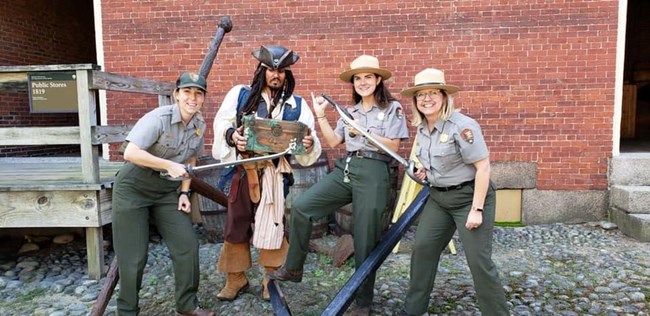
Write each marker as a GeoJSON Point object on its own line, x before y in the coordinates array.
{"type": "Point", "coordinates": [345, 218]}
{"type": "Point", "coordinates": [213, 214]}
{"type": "Point", "coordinates": [304, 178]}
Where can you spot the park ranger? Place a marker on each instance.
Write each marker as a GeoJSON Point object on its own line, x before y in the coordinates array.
{"type": "Point", "coordinates": [362, 177]}
{"type": "Point", "coordinates": [163, 140]}
{"type": "Point", "coordinates": [456, 163]}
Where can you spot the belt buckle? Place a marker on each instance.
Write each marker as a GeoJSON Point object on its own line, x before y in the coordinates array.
{"type": "Point", "coordinates": [358, 154]}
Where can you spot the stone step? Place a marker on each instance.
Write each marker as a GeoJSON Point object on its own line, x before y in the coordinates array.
{"type": "Point", "coordinates": [636, 226]}
{"type": "Point", "coordinates": [633, 199]}
{"type": "Point", "coordinates": [630, 169]}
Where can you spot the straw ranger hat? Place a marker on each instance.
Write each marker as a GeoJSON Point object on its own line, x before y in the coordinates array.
{"type": "Point", "coordinates": [429, 78]}
{"type": "Point", "coordinates": [365, 63]}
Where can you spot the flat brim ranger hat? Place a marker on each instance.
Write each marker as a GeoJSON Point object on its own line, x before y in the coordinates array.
{"type": "Point", "coordinates": [365, 63]}
{"type": "Point", "coordinates": [429, 78]}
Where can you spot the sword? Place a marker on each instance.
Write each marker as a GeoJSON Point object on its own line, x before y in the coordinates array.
{"type": "Point", "coordinates": [344, 297]}
{"type": "Point", "coordinates": [409, 165]}
{"type": "Point", "coordinates": [192, 170]}
{"type": "Point", "coordinates": [278, 301]}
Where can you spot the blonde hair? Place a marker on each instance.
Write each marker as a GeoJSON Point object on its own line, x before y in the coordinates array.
{"type": "Point", "coordinates": [445, 113]}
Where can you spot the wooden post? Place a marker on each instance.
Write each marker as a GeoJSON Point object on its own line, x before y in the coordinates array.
{"type": "Point", "coordinates": [89, 167]}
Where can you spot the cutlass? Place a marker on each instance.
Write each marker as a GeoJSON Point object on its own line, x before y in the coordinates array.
{"type": "Point", "coordinates": [409, 165]}
{"type": "Point", "coordinates": [192, 171]}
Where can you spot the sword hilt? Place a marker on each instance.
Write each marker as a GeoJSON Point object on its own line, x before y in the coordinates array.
{"type": "Point", "coordinates": [190, 173]}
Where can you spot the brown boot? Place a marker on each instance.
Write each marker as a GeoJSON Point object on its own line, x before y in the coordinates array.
{"type": "Point", "coordinates": [284, 274]}
{"type": "Point", "coordinates": [235, 283]}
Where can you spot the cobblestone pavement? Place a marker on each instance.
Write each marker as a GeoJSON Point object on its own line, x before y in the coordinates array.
{"type": "Point", "coordinates": [556, 269]}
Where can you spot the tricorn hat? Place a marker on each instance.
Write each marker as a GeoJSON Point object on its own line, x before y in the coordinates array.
{"type": "Point", "coordinates": [429, 78]}
{"type": "Point", "coordinates": [275, 56]}
{"type": "Point", "coordinates": [365, 63]}
{"type": "Point", "coordinates": [190, 79]}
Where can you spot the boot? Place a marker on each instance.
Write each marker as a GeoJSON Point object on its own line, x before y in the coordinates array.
{"type": "Point", "coordinates": [265, 283]}
{"type": "Point", "coordinates": [284, 274]}
{"type": "Point", "coordinates": [235, 283]}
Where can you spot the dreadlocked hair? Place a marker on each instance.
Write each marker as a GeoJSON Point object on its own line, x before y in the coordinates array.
{"type": "Point", "coordinates": [258, 85]}
{"type": "Point", "coordinates": [383, 97]}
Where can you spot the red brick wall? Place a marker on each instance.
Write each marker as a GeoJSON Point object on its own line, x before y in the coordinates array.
{"type": "Point", "coordinates": [42, 32]}
{"type": "Point", "coordinates": [537, 75]}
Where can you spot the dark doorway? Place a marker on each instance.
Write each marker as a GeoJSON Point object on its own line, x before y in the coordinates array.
{"type": "Point", "coordinates": [635, 124]}
{"type": "Point", "coordinates": [42, 32]}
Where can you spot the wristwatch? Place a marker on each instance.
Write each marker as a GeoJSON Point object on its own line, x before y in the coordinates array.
{"type": "Point", "coordinates": [478, 209]}
{"type": "Point", "coordinates": [188, 193]}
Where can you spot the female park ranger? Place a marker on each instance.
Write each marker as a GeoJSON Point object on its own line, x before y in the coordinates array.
{"type": "Point", "coordinates": [455, 161]}
{"type": "Point", "coordinates": [162, 140]}
{"type": "Point", "coordinates": [362, 177]}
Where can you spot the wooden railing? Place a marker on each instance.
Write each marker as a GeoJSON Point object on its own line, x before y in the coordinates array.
{"type": "Point", "coordinates": [67, 201]}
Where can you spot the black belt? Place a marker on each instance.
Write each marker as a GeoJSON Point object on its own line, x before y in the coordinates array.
{"type": "Point", "coordinates": [454, 187]}
{"type": "Point", "coordinates": [370, 155]}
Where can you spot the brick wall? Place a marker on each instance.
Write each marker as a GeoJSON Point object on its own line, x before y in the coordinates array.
{"type": "Point", "coordinates": [537, 75]}
{"type": "Point", "coordinates": [42, 32]}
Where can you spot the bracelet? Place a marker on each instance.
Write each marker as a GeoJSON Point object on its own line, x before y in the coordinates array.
{"type": "Point", "coordinates": [229, 133]}
{"type": "Point", "coordinates": [320, 117]}
{"type": "Point", "coordinates": [187, 193]}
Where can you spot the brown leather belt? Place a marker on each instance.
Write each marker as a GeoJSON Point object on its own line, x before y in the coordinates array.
{"type": "Point", "coordinates": [454, 187]}
{"type": "Point", "coordinates": [370, 155]}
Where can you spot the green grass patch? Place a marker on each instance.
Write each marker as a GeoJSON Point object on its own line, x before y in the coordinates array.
{"type": "Point", "coordinates": [509, 224]}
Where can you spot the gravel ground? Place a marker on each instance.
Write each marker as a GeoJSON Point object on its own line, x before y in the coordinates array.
{"type": "Point", "coordinates": [556, 269]}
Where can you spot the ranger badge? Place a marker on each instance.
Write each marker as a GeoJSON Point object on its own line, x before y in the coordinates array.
{"type": "Point", "coordinates": [467, 135]}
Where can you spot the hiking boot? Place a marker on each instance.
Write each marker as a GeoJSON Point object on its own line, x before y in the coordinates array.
{"type": "Point", "coordinates": [284, 274]}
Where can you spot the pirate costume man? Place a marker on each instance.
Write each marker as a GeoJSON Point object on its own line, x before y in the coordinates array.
{"type": "Point", "coordinates": [257, 191]}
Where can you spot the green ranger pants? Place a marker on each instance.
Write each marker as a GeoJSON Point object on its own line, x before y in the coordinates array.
{"type": "Point", "coordinates": [368, 190]}
{"type": "Point", "coordinates": [140, 194]}
{"type": "Point", "coordinates": [443, 214]}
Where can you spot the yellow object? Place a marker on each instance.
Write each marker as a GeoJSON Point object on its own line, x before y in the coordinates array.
{"type": "Point", "coordinates": [508, 207]}
{"type": "Point", "coordinates": [407, 194]}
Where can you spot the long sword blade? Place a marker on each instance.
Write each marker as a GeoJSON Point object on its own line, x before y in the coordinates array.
{"type": "Point", "coordinates": [347, 117]}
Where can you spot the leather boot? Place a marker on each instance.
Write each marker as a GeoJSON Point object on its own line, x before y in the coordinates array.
{"type": "Point", "coordinates": [235, 283]}
{"type": "Point", "coordinates": [265, 283]}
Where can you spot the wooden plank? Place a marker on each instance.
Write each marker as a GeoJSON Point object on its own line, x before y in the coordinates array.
{"type": "Point", "coordinates": [49, 209]}
{"type": "Point", "coordinates": [52, 173]}
{"type": "Point", "coordinates": [87, 119]}
{"type": "Point", "coordinates": [13, 82]}
{"type": "Point", "coordinates": [628, 115]}
{"type": "Point", "coordinates": [95, 252]}
{"type": "Point", "coordinates": [115, 82]}
{"type": "Point", "coordinates": [110, 133]}
{"type": "Point", "coordinates": [105, 206]}
{"type": "Point", "coordinates": [14, 78]}
{"type": "Point", "coordinates": [60, 67]}
{"type": "Point", "coordinates": [12, 136]}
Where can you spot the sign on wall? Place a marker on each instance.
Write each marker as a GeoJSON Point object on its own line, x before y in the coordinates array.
{"type": "Point", "coordinates": [52, 92]}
